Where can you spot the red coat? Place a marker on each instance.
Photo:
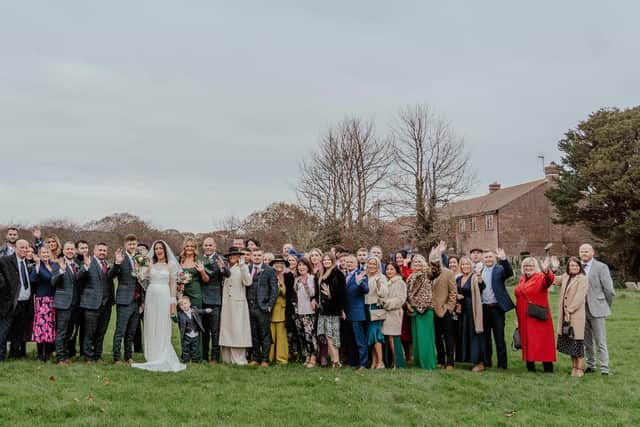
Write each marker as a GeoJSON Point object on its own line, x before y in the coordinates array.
{"type": "Point", "coordinates": [538, 339]}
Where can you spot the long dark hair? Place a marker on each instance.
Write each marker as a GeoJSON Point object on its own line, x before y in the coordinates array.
{"type": "Point", "coordinates": [155, 257]}
{"type": "Point", "coordinates": [577, 261]}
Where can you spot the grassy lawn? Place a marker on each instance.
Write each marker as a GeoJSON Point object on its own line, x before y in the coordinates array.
{"type": "Point", "coordinates": [32, 393]}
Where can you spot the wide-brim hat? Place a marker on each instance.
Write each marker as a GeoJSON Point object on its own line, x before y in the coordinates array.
{"type": "Point", "coordinates": [233, 250]}
{"type": "Point", "coordinates": [279, 258]}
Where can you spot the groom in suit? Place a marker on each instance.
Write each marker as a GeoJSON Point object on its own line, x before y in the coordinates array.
{"type": "Point", "coordinates": [96, 300]}
{"type": "Point", "coordinates": [261, 296]}
{"type": "Point", "coordinates": [599, 299]}
{"type": "Point", "coordinates": [15, 297]}
{"type": "Point", "coordinates": [128, 297]}
{"type": "Point", "coordinates": [65, 301]}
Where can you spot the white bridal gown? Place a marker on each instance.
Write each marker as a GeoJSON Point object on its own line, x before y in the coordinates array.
{"type": "Point", "coordinates": [158, 349]}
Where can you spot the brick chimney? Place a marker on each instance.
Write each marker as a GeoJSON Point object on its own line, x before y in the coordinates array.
{"type": "Point", "coordinates": [551, 172]}
{"type": "Point", "coordinates": [494, 187]}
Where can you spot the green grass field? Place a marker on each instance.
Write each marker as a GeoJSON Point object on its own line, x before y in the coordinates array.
{"type": "Point", "coordinates": [32, 393]}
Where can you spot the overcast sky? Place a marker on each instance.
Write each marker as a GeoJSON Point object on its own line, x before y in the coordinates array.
{"type": "Point", "coordinates": [186, 112]}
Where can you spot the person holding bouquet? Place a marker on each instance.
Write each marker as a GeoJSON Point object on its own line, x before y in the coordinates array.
{"type": "Point", "coordinates": [192, 278]}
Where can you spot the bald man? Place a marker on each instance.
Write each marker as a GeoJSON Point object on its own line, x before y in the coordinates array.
{"type": "Point", "coordinates": [599, 298]}
{"type": "Point", "coordinates": [15, 300]}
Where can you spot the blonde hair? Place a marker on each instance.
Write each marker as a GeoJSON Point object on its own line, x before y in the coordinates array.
{"type": "Point", "coordinates": [378, 263]}
{"type": "Point", "coordinates": [466, 260]}
{"type": "Point", "coordinates": [423, 259]}
{"type": "Point", "coordinates": [530, 260]}
{"type": "Point", "coordinates": [195, 248]}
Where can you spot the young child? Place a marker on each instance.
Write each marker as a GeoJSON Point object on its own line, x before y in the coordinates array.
{"type": "Point", "coordinates": [188, 319]}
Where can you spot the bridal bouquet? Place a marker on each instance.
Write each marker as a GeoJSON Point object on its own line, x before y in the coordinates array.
{"type": "Point", "coordinates": [184, 278]}
{"type": "Point", "coordinates": [140, 260]}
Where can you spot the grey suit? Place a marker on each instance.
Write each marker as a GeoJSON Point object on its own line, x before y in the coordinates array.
{"type": "Point", "coordinates": [65, 301]}
{"type": "Point", "coordinates": [127, 313]}
{"type": "Point", "coordinates": [599, 299]}
{"type": "Point", "coordinates": [96, 300]}
{"type": "Point", "coordinates": [212, 298]}
{"type": "Point", "coordinates": [261, 296]}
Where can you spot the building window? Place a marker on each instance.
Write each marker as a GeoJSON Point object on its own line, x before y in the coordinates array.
{"type": "Point", "coordinates": [474, 224]}
{"type": "Point", "coordinates": [462, 226]}
{"type": "Point", "coordinates": [488, 222]}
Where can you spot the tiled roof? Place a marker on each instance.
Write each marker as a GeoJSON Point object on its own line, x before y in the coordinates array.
{"type": "Point", "coordinates": [492, 201]}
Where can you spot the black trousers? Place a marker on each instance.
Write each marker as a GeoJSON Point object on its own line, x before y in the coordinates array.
{"type": "Point", "coordinates": [190, 348]}
{"type": "Point", "coordinates": [493, 320]}
{"type": "Point", "coordinates": [137, 338]}
{"type": "Point", "coordinates": [445, 339]}
{"type": "Point", "coordinates": [547, 366]}
{"type": "Point", "coordinates": [5, 327]}
{"type": "Point", "coordinates": [348, 349]}
{"type": "Point", "coordinates": [126, 325]}
{"type": "Point", "coordinates": [211, 325]}
{"type": "Point", "coordinates": [260, 334]}
{"type": "Point", "coordinates": [77, 334]}
{"type": "Point", "coordinates": [21, 321]}
{"type": "Point", "coordinates": [64, 329]}
{"type": "Point", "coordinates": [96, 323]}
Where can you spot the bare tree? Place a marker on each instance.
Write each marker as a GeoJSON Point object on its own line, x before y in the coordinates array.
{"type": "Point", "coordinates": [431, 167]}
{"type": "Point", "coordinates": [341, 182]}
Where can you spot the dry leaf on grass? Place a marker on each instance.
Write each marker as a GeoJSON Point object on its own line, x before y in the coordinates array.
{"type": "Point", "coordinates": [106, 381]}
{"type": "Point", "coordinates": [510, 413]}
{"type": "Point", "coordinates": [52, 378]}
{"type": "Point", "coordinates": [91, 398]}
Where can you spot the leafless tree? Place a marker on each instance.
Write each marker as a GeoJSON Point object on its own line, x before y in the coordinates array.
{"type": "Point", "coordinates": [341, 182]}
{"type": "Point", "coordinates": [431, 167]}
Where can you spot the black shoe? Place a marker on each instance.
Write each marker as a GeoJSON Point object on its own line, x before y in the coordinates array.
{"type": "Point", "coordinates": [589, 371]}
{"type": "Point", "coordinates": [605, 374]}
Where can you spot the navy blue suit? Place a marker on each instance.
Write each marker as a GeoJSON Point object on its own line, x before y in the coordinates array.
{"type": "Point", "coordinates": [494, 314]}
{"type": "Point", "coordinates": [354, 309]}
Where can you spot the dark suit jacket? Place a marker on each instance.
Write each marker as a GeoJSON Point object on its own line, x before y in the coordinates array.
{"type": "Point", "coordinates": [67, 291]}
{"type": "Point", "coordinates": [501, 272]}
{"type": "Point", "coordinates": [95, 286]}
{"type": "Point", "coordinates": [354, 297]}
{"type": "Point", "coordinates": [182, 319]}
{"type": "Point", "coordinates": [212, 290]}
{"type": "Point", "coordinates": [126, 281]}
{"type": "Point", "coordinates": [264, 288]}
{"type": "Point", "coordinates": [9, 284]}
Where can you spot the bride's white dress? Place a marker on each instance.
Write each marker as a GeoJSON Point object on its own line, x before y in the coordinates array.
{"type": "Point", "coordinates": [158, 349]}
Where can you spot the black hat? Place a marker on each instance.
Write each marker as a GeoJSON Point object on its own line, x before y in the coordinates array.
{"type": "Point", "coordinates": [233, 250]}
{"type": "Point", "coordinates": [279, 258]}
{"type": "Point", "coordinates": [476, 250]}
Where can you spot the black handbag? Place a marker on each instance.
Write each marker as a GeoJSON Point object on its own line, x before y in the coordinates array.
{"type": "Point", "coordinates": [567, 330]}
{"type": "Point", "coordinates": [516, 343]}
{"type": "Point", "coordinates": [537, 311]}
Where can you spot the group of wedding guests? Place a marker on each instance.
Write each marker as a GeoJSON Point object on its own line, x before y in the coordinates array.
{"type": "Point", "coordinates": [319, 308]}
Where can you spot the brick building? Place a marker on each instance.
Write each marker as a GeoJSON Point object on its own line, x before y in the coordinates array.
{"type": "Point", "coordinates": [518, 219]}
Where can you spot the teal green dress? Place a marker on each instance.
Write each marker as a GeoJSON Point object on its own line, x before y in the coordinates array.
{"type": "Point", "coordinates": [424, 340]}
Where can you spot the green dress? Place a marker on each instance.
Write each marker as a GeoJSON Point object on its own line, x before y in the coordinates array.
{"type": "Point", "coordinates": [193, 290]}
{"type": "Point", "coordinates": [424, 340]}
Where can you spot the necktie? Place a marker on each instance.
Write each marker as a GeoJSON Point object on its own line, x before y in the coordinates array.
{"type": "Point", "coordinates": [73, 268]}
{"type": "Point", "coordinates": [23, 275]}
{"type": "Point", "coordinates": [104, 266]}
{"type": "Point", "coordinates": [255, 272]}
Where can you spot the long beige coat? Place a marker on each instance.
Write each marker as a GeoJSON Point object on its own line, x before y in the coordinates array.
{"type": "Point", "coordinates": [235, 329]}
{"type": "Point", "coordinates": [571, 305]}
{"type": "Point", "coordinates": [393, 302]}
